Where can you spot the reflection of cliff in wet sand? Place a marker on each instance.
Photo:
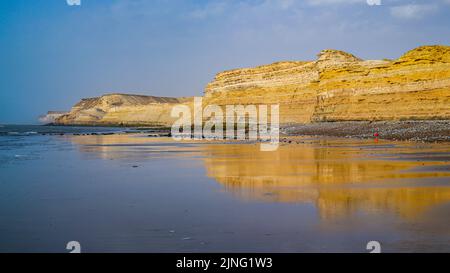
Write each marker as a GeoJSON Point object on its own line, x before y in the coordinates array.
{"type": "Point", "coordinates": [338, 177]}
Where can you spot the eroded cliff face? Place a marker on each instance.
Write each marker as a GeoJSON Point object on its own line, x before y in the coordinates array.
{"type": "Point", "coordinates": [122, 109]}
{"type": "Point", "coordinates": [341, 87]}
{"type": "Point", "coordinates": [284, 83]}
{"type": "Point", "coordinates": [336, 87]}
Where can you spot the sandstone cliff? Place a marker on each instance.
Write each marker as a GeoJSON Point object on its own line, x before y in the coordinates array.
{"type": "Point", "coordinates": [341, 87]}
{"type": "Point", "coordinates": [336, 87]}
{"type": "Point", "coordinates": [123, 110]}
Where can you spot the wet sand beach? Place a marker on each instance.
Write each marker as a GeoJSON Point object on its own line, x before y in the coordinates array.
{"type": "Point", "coordinates": [134, 193]}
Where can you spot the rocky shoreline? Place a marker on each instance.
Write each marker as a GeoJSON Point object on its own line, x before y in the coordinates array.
{"type": "Point", "coordinates": [412, 130]}
{"type": "Point", "coordinates": [422, 131]}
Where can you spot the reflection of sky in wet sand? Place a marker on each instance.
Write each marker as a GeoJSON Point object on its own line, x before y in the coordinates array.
{"type": "Point", "coordinates": [340, 177]}
{"type": "Point", "coordinates": [137, 147]}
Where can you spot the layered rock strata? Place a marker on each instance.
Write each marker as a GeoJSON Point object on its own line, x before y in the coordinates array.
{"type": "Point", "coordinates": [336, 87]}
{"type": "Point", "coordinates": [122, 110]}
{"type": "Point", "coordinates": [341, 87]}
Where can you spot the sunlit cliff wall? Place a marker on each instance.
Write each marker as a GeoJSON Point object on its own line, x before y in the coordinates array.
{"type": "Point", "coordinates": [339, 86]}
{"type": "Point", "coordinates": [122, 109]}
{"type": "Point", "coordinates": [336, 87]}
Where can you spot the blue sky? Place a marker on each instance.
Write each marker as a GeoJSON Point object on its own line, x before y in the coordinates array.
{"type": "Point", "coordinates": [53, 54]}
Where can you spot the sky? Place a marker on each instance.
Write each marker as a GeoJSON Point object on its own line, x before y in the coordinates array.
{"type": "Point", "coordinates": [53, 54]}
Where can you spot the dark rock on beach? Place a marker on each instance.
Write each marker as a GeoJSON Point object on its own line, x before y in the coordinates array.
{"type": "Point", "coordinates": [425, 131]}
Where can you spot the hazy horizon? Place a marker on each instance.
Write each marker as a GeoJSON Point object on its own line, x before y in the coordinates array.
{"type": "Point", "coordinates": [54, 54]}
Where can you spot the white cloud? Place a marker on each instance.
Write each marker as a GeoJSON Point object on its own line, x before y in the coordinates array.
{"type": "Point", "coordinates": [413, 11]}
{"type": "Point", "coordinates": [331, 2]}
{"type": "Point", "coordinates": [210, 9]}
{"type": "Point", "coordinates": [285, 4]}
{"type": "Point", "coordinates": [383, 2]}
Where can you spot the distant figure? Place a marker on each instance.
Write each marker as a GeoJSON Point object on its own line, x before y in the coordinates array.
{"type": "Point", "coordinates": [376, 134]}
